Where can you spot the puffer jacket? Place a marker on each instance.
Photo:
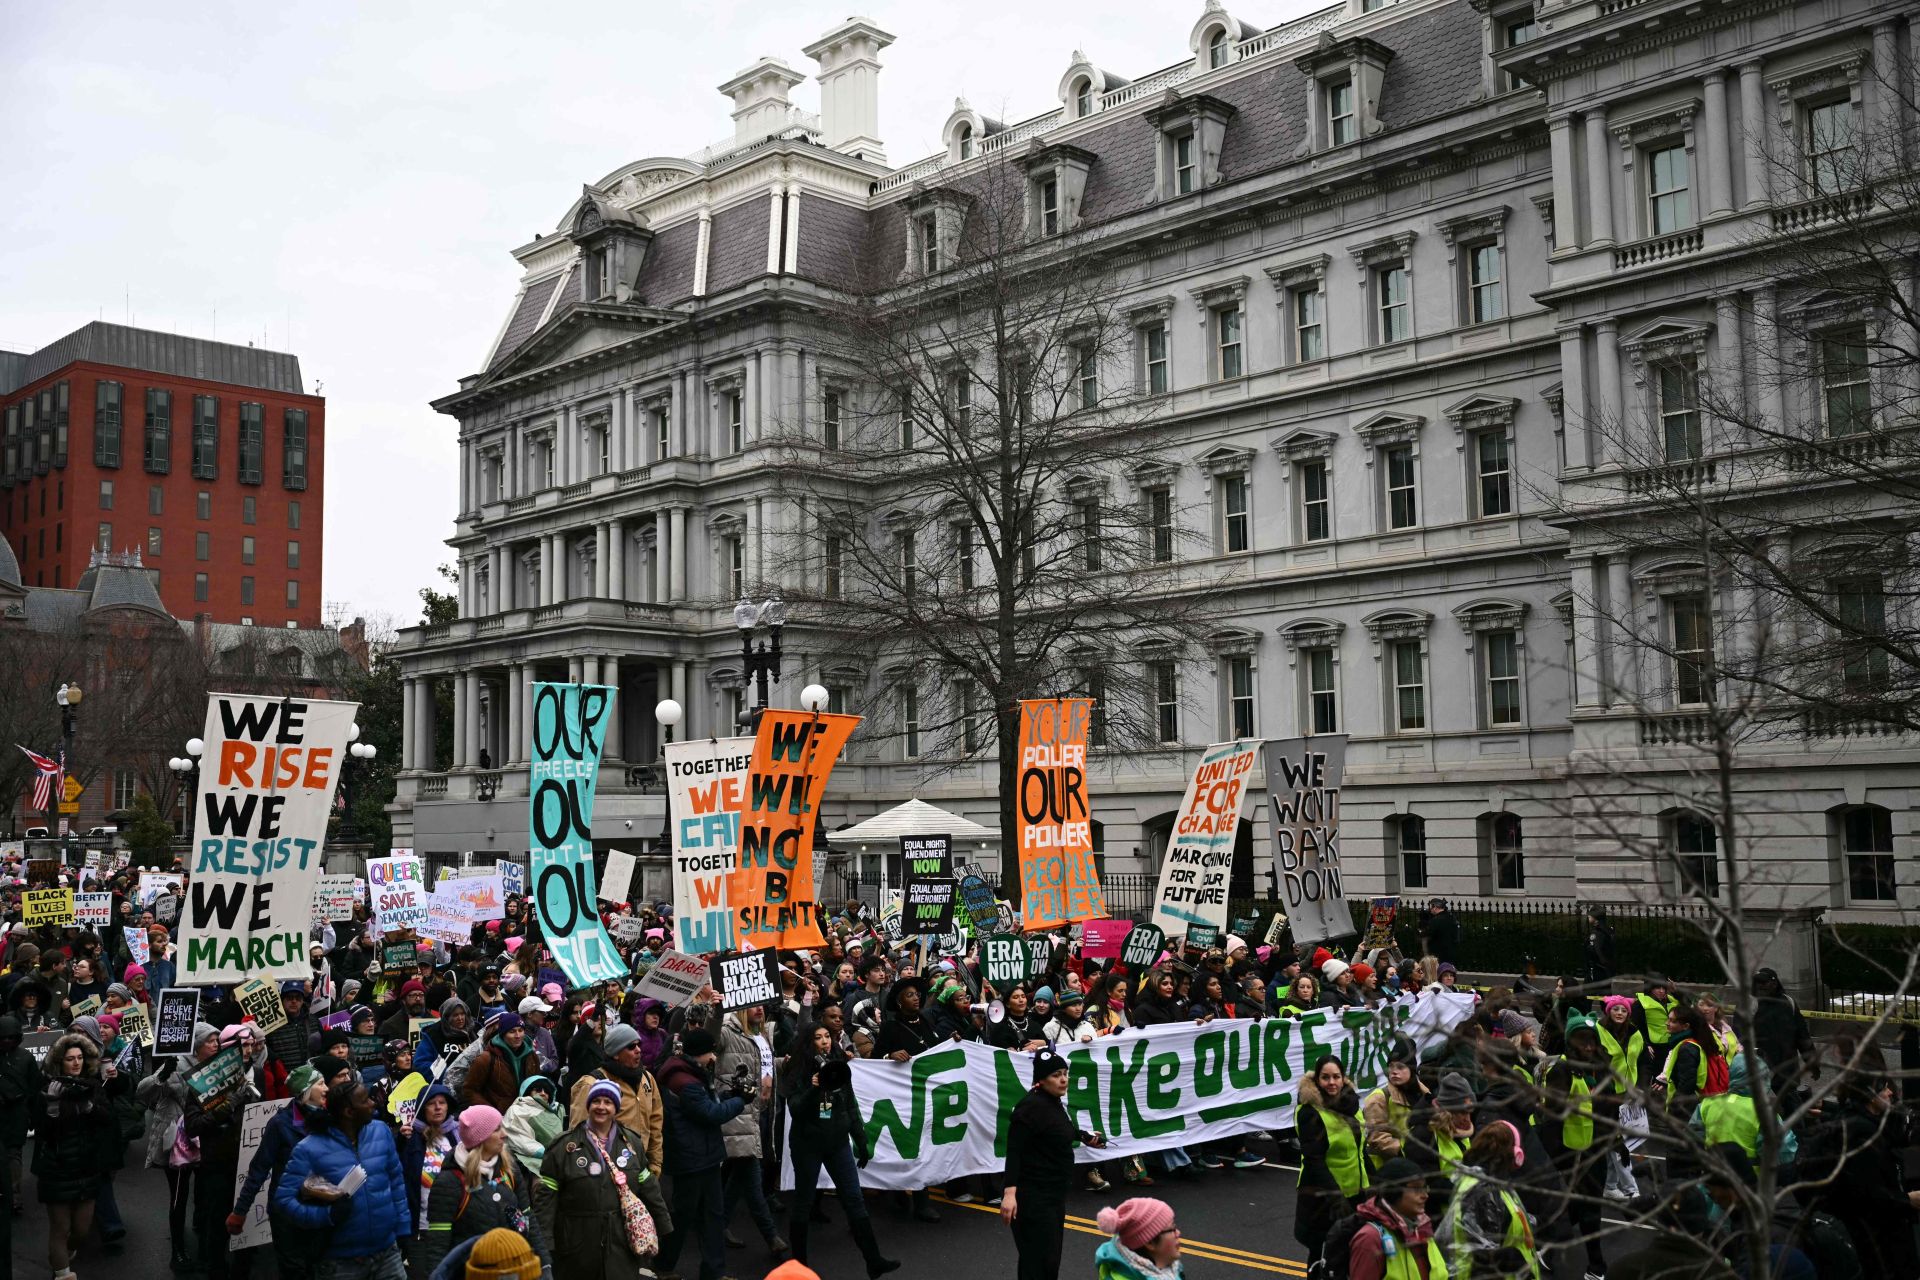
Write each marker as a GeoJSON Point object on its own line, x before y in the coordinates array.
{"type": "Point", "coordinates": [289, 1125]}
{"type": "Point", "coordinates": [164, 1094]}
{"type": "Point", "coordinates": [739, 1058]}
{"type": "Point", "coordinates": [457, 1212]}
{"type": "Point", "coordinates": [497, 1074]}
{"type": "Point", "coordinates": [77, 1139]}
{"type": "Point", "coordinates": [532, 1126]}
{"type": "Point", "coordinates": [694, 1118]}
{"type": "Point", "coordinates": [369, 1220]}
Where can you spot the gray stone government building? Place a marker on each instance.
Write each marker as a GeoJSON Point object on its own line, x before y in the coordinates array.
{"type": "Point", "coordinates": [1407, 275]}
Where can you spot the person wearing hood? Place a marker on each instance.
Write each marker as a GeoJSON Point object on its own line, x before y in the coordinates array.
{"type": "Point", "coordinates": [287, 1044]}
{"type": "Point", "coordinates": [534, 1122]}
{"type": "Point", "coordinates": [1069, 1024]}
{"type": "Point", "coordinates": [746, 1056]}
{"type": "Point", "coordinates": [1340, 992]}
{"type": "Point", "coordinates": [19, 1081]}
{"type": "Point", "coordinates": [424, 1147]}
{"type": "Point", "coordinates": [306, 1112]}
{"type": "Point", "coordinates": [164, 1094]}
{"type": "Point", "coordinates": [503, 1066]}
{"type": "Point", "coordinates": [1389, 1109]}
{"type": "Point", "coordinates": [1333, 1167]}
{"type": "Point", "coordinates": [445, 1037]}
{"type": "Point", "coordinates": [1486, 1230]}
{"type": "Point", "coordinates": [695, 1117]}
{"type": "Point", "coordinates": [642, 1108]}
{"type": "Point", "coordinates": [953, 1010]}
{"type": "Point", "coordinates": [32, 1001]}
{"type": "Point", "coordinates": [1395, 1239]}
{"type": "Point", "coordinates": [481, 1187]}
{"type": "Point", "coordinates": [581, 1187]}
{"type": "Point", "coordinates": [650, 1020]}
{"type": "Point", "coordinates": [23, 961]}
{"type": "Point", "coordinates": [214, 1125]}
{"type": "Point", "coordinates": [1781, 1036]}
{"type": "Point", "coordinates": [1142, 1242]}
{"type": "Point", "coordinates": [1579, 1109]}
{"type": "Point", "coordinates": [76, 1144]}
{"type": "Point", "coordinates": [1437, 1141]}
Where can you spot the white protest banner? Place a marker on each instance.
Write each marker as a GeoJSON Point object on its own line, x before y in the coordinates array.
{"type": "Point", "coordinates": [253, 1126]}
{"type": "Point", "coordinates": [617, 877]}
{"type": "Point", "coordinates": [136, 944]}
{"type": "Point", "coordinates": [514, 877]}
{"type": "Point", "coordinates": [706, 792]}
{"type": "Point", "coordinates": [334, 897]}
{"type": "Point", "coordinates": [1171, 1085]}
{"type": "Point", "coordinates": [568, 720]}
{"type": "Point", "coordinates": [92, 908]}
{"type": "Point", "coordinates": [449, 919]}
{"type": "Point", "coordinates": [266, 788]}
{"type": "Point", "coordinates": [1303, 795]}
{"type": "Point", "coordinates": [399, 893]}
{"type": "Point", "coordinates": [482, 892]}
{"type": "Point", "coordinates": [674, 978]}
{"type": "Point", "coordinates": [1199, 858]}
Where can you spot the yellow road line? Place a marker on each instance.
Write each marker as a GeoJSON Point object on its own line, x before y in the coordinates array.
{"type": "Point", "coordinates": [1211, 1252]}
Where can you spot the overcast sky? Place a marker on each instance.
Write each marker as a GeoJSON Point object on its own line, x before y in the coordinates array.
{"type": "Point", "coordinates": [344, 181]}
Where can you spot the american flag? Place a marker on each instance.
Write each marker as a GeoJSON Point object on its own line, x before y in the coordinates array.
{"type": "Point", "coordinates": [45, 773]}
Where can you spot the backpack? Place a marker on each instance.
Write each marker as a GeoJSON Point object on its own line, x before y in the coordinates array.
{"type": "Point", "coordinates": [1336, 1253]}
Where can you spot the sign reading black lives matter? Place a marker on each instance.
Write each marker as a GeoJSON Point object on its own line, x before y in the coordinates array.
{"type": "Point", "coordinates": [1143, 946]}
{"type": "Point", "coordinates": [179, 1009]}
{"type": "Point", "coordinates": [1303, 795]}
{"type": "Point", "coordinates": [927, 906]}
{"type": "Point", "coordinates": [750, 977]}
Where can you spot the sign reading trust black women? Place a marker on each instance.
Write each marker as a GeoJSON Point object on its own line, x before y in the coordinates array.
{"type": "Point", "coordinates": [266, 787]}
{"type": "Point", "coordinates": [567, 724]}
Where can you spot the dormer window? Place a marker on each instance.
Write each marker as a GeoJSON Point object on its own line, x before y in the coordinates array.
{"type": "Point", "coordinates": [934, 222]}
{"type": "Point", "coordinates": [1217, 50]}
{"type": "Point", "coordinates": [1344, 80]}
{"type": "Point", "coordinates": [966, 142]}
{"type": "Point", "coordinates": [1517, 29]}
{"type": "Point", "coordinates": [1056, 182]}
{"type": "Point", "coordinates": [1083, 100]}
{"type": "Point", "coordinates": [1183, 167]}
{"type": "Point", "coordinates": [1192, 131]}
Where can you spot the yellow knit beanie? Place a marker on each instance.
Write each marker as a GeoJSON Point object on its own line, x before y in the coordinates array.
{"type": "Point", "coordinates": [500, 1254]}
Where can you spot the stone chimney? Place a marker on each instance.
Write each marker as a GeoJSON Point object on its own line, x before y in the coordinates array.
{"type": "Point", "coordinates": [849, 58]}
{"type": "Point", "coordinates": [759, 94]}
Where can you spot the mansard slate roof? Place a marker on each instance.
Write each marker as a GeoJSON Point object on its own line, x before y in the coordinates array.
{"type": "Point", "coordinates": [1436, 69]}
{"type": "Point", "coordinates": [177, 354]}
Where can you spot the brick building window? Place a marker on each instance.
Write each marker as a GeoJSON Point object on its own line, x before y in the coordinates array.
{"type": "Point", "coordinates": [206, 438]}
{"type": "Point", "coordinates": [253, 443]}
{"type": "Point", "coordinates": [158, 442]}
{"type": "Point", "coordinates": [106, 424]}
{"type": "Point", "coordinates": [293, 449]}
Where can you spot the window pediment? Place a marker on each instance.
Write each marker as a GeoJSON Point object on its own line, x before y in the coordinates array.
{"type": "Point", "coordinates": [1636, 131]}
{"type": "Point", "coordinates": [1292, 275]}
{"type": "Point", "coordinates": [1390, 428]}
{"type": "Point", "coordinates": [1154, 475]}
{"type": "Point", "coordinates": [1219, 293]}
{"type": "Point", "coordinates": [1491, 615]}
{"type": "Point", "coordinates": [1664, 341]}
{"type": "Point", "coordinates": [1084, 487]}
{"type": "Point", "coordinates": [1478, 413]}
{"type": "Point", "coordinates": [1233, 642]}
{"type": "Point", "coordinates": [1474, 226]}
{"type": "Point", "coordinates": [1312, 633]}
{"type": "Point", "coordinates": [1397, 624]}
{"type": "Point", "coordinates": [726, 524]}
{"type": "Point", "coordinates": [1227, 461]}
{"type": "Point", "coordinates": [1394, 248]}
{"type": "Point", "coordinates": [1150, 311]}
{"type": "Point", "coordinates": [1301, 445]}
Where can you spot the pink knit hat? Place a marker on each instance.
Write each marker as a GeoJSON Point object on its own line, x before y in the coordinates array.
{"type": "Point", "coordinates": [478, 1123]}
{"type": "Point", "coordinates": [1137, 1221]}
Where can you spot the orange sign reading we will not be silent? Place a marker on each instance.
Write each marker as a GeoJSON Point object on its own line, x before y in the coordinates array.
{"type": "Point", "coordinates": [771, 887]}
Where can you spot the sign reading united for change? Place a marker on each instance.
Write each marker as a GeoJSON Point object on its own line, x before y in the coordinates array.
{"type": "Point", "coordinates": [1199, 858]}
{"type": "Point", "coordinates": [927, 902]}
{"type": "Point", "coordinates": [266, 788]}
{"type": "Point", "coordinates": [565, 777]}
{"type": "Point", "coordinates": [1058, 881]}
{"type": "Point", "coordinates": [1303, 794]}
{"type": "Point", "coordinates": [706, 792]}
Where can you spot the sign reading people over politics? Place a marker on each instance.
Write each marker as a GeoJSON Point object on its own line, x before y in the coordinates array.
{"type": "Point", "coordinates": [927, 901]}
{"type": "Point", "coordinates": [976, 895]}
{"type": "Point", "coordinates": [1199, 858]}
{"type": "Point", "coordinates": [1058, 882]}
{"type": "Point", "coordinates": [773, 886]}
{"type": "Point", "coordinates": [751, 977]}
{"type": "Point", "coordinates": [1303, 795]}
{"type": "Point", "coordinates": [266, 788]}
{"type": "Point", "coordinates": [706, 792]}
{"type": "Point", "coordinates": [568, 720]}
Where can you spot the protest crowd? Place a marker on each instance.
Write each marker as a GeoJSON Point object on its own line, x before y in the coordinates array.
{"type": "Point", "coordinates": [438, 1109]}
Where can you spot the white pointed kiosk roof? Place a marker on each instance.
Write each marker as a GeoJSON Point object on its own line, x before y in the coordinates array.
{"type": "Point", "coordinates": [914, 818]}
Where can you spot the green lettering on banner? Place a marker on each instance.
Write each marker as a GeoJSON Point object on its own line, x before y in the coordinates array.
{"type": "Point", "coordinates": [1278, 1033]}
{"type": "Point", "coordinates": [1083, 1091]}
{"type": "Point", "coordinates": [1245, 1075]}
{"type": "Point", "coordinates": [1209, 1053]}
{"type": "Point", "coordinates": [950, 1112]}
{"type": "Point", "coordinates": [1163, 1093]}
{"type": "Point", "coordinates": [886, 1117]}
{"type": "Point", "coordinates": [1009, 1089]}
{"type": "Point", "coordinates": [1310, 1048]}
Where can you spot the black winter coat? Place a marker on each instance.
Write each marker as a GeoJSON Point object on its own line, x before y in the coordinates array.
{"type": "Point", "coordinates": [77, 1139]}
{"type": "Point", "coordinates": [694, 1117]}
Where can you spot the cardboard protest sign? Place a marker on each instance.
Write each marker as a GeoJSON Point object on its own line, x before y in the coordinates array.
{"type": "Point", "coordinates": [253, 1126]}
{"type": "Point", "coordinates": [675, 978]}
{"type": "Point", "coordinates": [218, 1074]}
{"type": "Point", "coordinates": [1275, 928]}
{"type": "Point", "coordinates": [514, 877]}
{"type": "Point", "coordinates": [629, 928]}
{"type": "Point", "coordinates": [334, 897]}
{"type": "Point", "coordinates": [178, 1009]}
{"type": "Point", "coordinates": [135, 1025]}
{"type": "Point", "coordinates": [773, 885]}
{"type": "Point", "coordinates": [752, 977]}
{"type": "Point", "coordinates": [1104, 938]}
{"type": "Point", "coordinates": [46, 907]}
{"type": "Point", "coordinates": [368, 1050]}
{"type": "Point", "coordinates": [137, 944]}
{"type": "Point", "coordinates": [1380, 917]}
{"type": "Point", "coordinates": [399, 955]}
{"type": "Point", "coordinates": [414, 1027]}
{"type": "Point", "coordinates": [93, 908]}
{"type": "Point", "coordinates": [266, 790]}
{"type": "Point", "coordinates": [399, 890]}
{"type": "Point", "coordinates": [976, 895]}
{"type": "Point", "coordinates": [91, 1005]}
{"type": "Point", "coordinates": [154, 883]}
{"type": "Point", "coordinates": [484, 895]}
{"type": "Point", "coordinates": [1143, 945]}
{"type": "Point", "coordinates": [927, 898]}
{"type": "Point", "coordinates": [617, 881]}
{"type": "Point", "coordinates": [1199, 858]}
{"type": "Point", "coordinates": [565, 777]}
{"type": "Point", "coordinates": [706, 793]}
{"type": "Point", "coordinates": [1303, 795]}
{"type": "Point", "coordinates": [260, 1000]}
{"type": "Point", "coordinates": [1058, 882]}
{"type": "Point", "coordinates": [449, 919]}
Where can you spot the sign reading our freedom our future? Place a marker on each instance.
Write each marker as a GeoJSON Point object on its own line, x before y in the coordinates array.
{"type": "Point", "coordinates": [266, 788]}
{"type": "Point", "coordinates": [568, 720]}
{"type": "Point", "coordinates": [945, 1114]}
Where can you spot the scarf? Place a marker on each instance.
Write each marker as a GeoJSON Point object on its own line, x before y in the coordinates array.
{"type": "Point", "coordinates": [628, 1076]}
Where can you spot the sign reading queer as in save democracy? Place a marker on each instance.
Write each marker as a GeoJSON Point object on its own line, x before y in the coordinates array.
{"type": "Point", "coordinates": [706, 790]}
{"type": "Point", "coordinates": [772, 886]}
{"type": "Point", "coordinates": [945, 1115]}
{"type": "Point", "coordinates": [266, 788]}
{"type": "Point", "coordinates": [1058, 883]}
{"type": "Point", "coordinates": [567, 723]}
{"type": "Point", "coordinates": [1303, 793]}
{"type": "Point", "coordinates": [1193, 876]}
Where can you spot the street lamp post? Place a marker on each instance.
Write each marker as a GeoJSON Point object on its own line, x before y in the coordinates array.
{"type": "Point", "coordinates": [68, 699]}
{"type": "Point", "coordinates": [356, 750]}
{"type": "Point", "coordinates": [187, 769]}
{"type": "Point", "coordinates": [761, 662]}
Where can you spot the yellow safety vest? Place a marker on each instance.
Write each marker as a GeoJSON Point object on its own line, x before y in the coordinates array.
{"type": "Point", "coordinates": [1576, 1131]}
{"type": "Point", "coordinates": [1625, 1058]}
{"type": "Point", "coordinates": [1700, 1070]}
{"type": "Point", "coordinates": [1400, 1262]}
{"type": "Point", "coordinates": [1731, 1117]}
{"type": "Point", "coordinates": [1398, 1113]}
{"type": "Point", "coordinates": [1657, 1012]}
{"type": "Point", "coordinates": [1452, 1152]}
{"type": "Point", "coordinates": [1519, 1234]}
{"type": "Point", "coordinates": [1343, 1152]}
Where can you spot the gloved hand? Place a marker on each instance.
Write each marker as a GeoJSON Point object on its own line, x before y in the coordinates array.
{"type": "Point", "coordinates": [235, 1224]}
{"type": "Point", "coordinates": [862, 1161]}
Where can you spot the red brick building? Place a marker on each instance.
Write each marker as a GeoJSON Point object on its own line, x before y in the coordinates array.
{"type": "Point", "coordinates": [203, 457]}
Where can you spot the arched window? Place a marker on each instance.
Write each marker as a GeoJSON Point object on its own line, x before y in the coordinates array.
{"type": "Point", "coordinates": [1866, 854]}
{"type": "Point", "coordinates": [1155, 833]}
{"type": "Point", "coordinates": [1083, 99]}
{"type": "Point", "coordinates": [1217, 49]}
{"type": "Point", "coordinates": [1693, 844]}
{"type": "Point", "coordinates": [1503, 853]}
{"type": "Point", "coordinates": [1406, 839]}
{"type": "Point", "coordinates": [966, 142]}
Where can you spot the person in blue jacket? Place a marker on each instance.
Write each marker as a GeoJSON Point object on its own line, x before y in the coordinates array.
{"type": "Point", "coordinates": [304, 1114]}
{"type": "Point", "coordinates": [368, 1223]}
{"type": "Point", "coordinates": [695, 1149]}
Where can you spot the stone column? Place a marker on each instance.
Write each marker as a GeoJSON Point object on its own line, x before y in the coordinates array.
{"type": "Point", "coordinates": [409, 723]}
{"type": "Point", "coordinates": [679, 682]}
{"type": "Point", "coordinates": [1728, 377]}
{"type": "Point", "coordinates": [1771, 402]}
{"type": "Point", "coordinates": [1753, 130]}
{"type": "Point", "coordinates": [1587, 631]}
{"type": "Point", "coordinates": [1576, 416]}
{"type": "Point", "coordinates": [1887, 141]}
{"type": "Point", "coordinates": [678, 569]}
{"type": "Point", "coordinates": [662, 555]}
{"type": "Point", "coordinates": [425, 749]}
{"type": "Point", "coordinates": [471, 755]}
{"type": "Point", "coordinates": [602, 557]}
{"type": "Point", "coordinates": [1622, 641]}
{"type": "Point", "coordinates": [610, 674]}
{"type": "Point", "coordinates": [1609, 428]}
{"type": "Point", "coordinates": [1719, 146]}
{"type": "Point", "coordinates": [516, 714]}
{"type": "Point", "coordinates": [616, 560]}
{"type": "Point", "coordinates": [1566, 206]}
{"type": "Point", "coordinates": [1599, 180]}
{"type": "Point", "coordinates": [456, 757]}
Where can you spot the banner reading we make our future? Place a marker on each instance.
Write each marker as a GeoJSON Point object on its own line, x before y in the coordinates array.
{"type": "Point", "coordinates": [266, 788]}
{"type": "Point", "coordinates": [706, 791]}
{"type": "Point", "coordinates": [565, 777]}
{"type": "Point", "coordinates": [945, 1114]}
{"type": "Point", "coordinates": [1058, 881]}
{"type": "Point", "coordinates": [772, 887]}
